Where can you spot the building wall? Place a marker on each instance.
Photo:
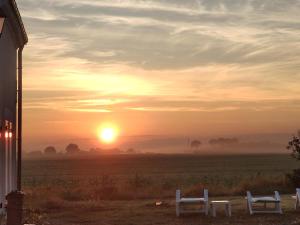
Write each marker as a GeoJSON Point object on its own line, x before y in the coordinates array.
{"type": "Point", "coordinates": [8, 64]}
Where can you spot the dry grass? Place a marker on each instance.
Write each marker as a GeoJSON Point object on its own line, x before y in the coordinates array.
{"type": "Point", "coordinates": [145, 212]}
{"type": "Point", "coordinates": [123, 191]}
{"type": "Point", "coordinates": [142, 188]}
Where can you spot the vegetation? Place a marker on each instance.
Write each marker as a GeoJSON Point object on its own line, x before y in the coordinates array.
{"type": "Point", "coordinates": [145, 212]}
{"type": "Point", "coordinates": [50, 150]}
{"type": "Point", "coordinates": [157, 176]}
{"type": "Point", "coordinates": [195, 144]}
{"type": "Point", "coordinates": [72, 149]}
{"type": "Point", "coordinates": [107, 186]}
{"type": "Point", "coordinates": [294, 146]}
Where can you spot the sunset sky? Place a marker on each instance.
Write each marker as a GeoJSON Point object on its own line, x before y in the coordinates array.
{"type": "Point", "coordinates": [160, 67]}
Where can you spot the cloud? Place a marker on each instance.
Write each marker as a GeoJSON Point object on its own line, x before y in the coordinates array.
{"type": "Point", "coordinates": [132, 55]}
{"type": "Point", "coordinates": [169, 34]}
{"type": "Point", "coordinates": [93, 102]}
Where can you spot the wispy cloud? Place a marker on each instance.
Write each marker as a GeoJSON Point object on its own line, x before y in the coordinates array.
{"type": "Point", "coordinates": [85, 101]}
{"type": "Point", "coordinates": [156, 33]}
{"type": "Point", "coordinates": [138, 56]}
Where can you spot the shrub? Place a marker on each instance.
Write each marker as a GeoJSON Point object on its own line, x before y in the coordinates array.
{"type": "Point", "coordinates": [294, 177]}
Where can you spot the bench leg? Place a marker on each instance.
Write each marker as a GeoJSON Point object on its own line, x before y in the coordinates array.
{"type": "Point", "coordinates": [213, 210]}
{"type": "Point", "coordinates": [206, 205]}
{"type": "Point", "coordinates": [249, 207]}
{"type": "Point", "coordinates": [228, 210]}
{"type": "Point", "coordinates": [278, 208]}
{"type": "Point", "coordinates": [177, 209]}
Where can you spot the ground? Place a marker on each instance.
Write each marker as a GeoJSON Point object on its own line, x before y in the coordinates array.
{"type": "Point", "coordinates": [123, 190]}
{"type": "Point", "coordinates": [145, 212]}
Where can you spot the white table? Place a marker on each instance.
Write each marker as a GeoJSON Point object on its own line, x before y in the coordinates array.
{"type": "Point", "coordinates": [225, 203]}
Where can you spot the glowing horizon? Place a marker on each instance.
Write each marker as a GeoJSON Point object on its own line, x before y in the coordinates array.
{"type": "Point", "coordinates": [177, 67]}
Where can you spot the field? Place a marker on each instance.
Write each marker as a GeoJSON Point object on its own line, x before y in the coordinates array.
{"type": "Point", "coordinates": [123, 189]}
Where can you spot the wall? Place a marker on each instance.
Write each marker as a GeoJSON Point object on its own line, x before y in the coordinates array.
{"type": "Point", "coordinates": [8, 64]}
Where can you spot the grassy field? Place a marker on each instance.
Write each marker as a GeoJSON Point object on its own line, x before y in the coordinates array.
{"type": "Point", "coordinates": [123, 189]}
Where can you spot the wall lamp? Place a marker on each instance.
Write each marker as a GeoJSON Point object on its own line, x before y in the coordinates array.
{"type": "Point", "coordinates": [2, 19]}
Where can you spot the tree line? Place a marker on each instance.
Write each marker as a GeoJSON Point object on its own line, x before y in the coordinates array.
{"type": "Point", "coordinates": [195, 144]}
{"type": "Point", "coordinates": [72, 149]}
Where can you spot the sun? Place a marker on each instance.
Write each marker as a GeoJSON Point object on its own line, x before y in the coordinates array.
{"type": "Point", "coordinates": [108, 134]}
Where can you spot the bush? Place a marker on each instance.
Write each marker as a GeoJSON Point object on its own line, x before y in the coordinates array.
{"type": "Point", "coordinates": [294, 178]}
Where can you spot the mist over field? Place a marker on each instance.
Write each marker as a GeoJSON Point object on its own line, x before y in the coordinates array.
{"type": "Point", "coordinates": [259, 143]}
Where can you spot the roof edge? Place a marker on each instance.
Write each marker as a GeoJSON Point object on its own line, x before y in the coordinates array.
{"type": "Point", "coordinates": [20, 22]}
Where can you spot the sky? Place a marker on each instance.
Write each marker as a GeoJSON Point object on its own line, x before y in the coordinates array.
{"type": "Point", "coordinates": [160, 67]}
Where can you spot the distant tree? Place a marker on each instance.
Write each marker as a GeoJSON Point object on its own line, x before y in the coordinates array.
{"type": "Point", "coordinates": [213, 141]}
{"type": "Point", "coordinates": [50, 150]}
{"type": "Point", "coordinates": [115, 151]}
{"type": "Point", "coordinates": [95, 150]}
{"type": "Point", "coordinates": [72, 148]}
{"type": "Point", "coordinates": [195, 144]}
{"type": "Point", "coordinates": [131, 151]}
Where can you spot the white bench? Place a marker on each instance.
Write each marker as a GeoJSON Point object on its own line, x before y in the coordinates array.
{"type": "Point", "coordinates": [265, 200]}
{"type": "Point", "coordinates": [297, 198]}
{"type": "Point", "coordinates": [225, 203]}
{"type": "Point", "coordinates": [202, 202]}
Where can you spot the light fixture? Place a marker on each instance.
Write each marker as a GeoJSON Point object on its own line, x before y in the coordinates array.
{"type": "Point", "coordinates": [2, 19]}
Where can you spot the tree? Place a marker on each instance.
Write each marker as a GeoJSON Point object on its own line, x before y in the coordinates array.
{"type": "Point", "coordinates": [131, 151]}
{"type": "Point", "coordinates": [294, 146]}
{"type": "Point", "coordinates": [72, 148]}
{"type": "Point", "coordinates": [50, 150]}
{"type": "Point", "coordinates": [195, 144]}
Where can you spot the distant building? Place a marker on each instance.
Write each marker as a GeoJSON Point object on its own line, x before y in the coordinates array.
{"type": "Point", "coordinates": [12, 40]}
